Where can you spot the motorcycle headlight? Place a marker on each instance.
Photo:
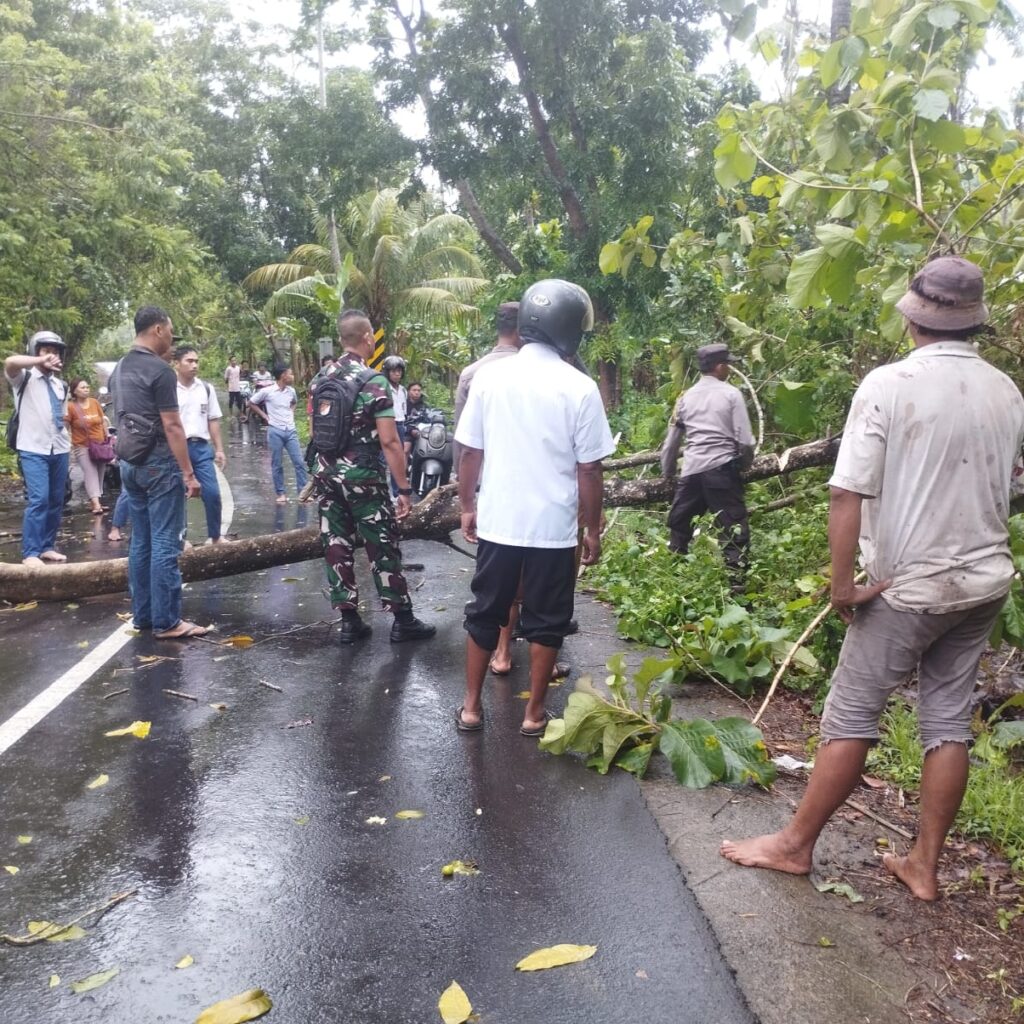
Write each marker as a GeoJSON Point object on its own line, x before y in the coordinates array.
{"type": "Point", "coordinates": [437, 435]}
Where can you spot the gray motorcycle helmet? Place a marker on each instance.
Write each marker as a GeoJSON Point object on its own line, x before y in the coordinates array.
{"type": "Point", "coordinates": [393, 363]}
{"type": "Point", "coordinates": [45, 338]}
{"type": "Point", "coordinates": [556, 313]}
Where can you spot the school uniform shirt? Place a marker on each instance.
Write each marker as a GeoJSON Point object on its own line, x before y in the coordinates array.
{"type": "Point", "coordinates": [279, 404]}
{"type": "Point", "coordinates": [197, 405]}
{"type": "Point", "coordinates": [931, 442]}
{"type": "Point", "coordinates": [38, 431]}
{"type": "Point", "coordinates": [536, 418]}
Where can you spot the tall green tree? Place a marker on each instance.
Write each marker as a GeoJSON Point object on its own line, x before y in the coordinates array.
{"type": "Point", "coordinates": [402, 258]}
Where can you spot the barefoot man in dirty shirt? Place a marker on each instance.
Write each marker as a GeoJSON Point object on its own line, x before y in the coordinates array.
{"type": "Point", "coordinates": [923, 479]}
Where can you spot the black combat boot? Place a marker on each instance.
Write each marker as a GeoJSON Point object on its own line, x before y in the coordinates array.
{"type": "Point", "coordinates": [352, 628]}
{"type": "Point", "coordinates": [408, 627]}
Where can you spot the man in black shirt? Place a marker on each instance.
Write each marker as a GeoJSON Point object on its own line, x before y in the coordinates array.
{"type": "Point", "coordinates": [156, 473]}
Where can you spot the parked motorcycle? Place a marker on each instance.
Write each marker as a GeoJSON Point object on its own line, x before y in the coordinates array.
{"type": "Point", "coordinates": [431, 452]}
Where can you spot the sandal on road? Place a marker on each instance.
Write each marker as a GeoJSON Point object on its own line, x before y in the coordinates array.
{"type": "Point", "coordinates": [537, 730]}
{"type": "Point", "coordinates": [463, 726]}
{"type": "Point", "coordinates": [182, 631]}
{"type": "Point", "coordinates": [498, 671]}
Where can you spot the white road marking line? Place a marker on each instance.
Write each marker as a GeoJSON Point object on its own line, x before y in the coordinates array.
{"type": "Point", "coordinates": [39, 707]}
{"type": "Point", "coordinates": [227, 502]}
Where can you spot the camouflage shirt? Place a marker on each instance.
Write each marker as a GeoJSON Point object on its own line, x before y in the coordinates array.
{"type": "Point", "coordinates": [374, 401]}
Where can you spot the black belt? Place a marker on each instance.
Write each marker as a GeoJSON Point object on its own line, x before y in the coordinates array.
{"type": "Point", "coordinates": [205, 440]}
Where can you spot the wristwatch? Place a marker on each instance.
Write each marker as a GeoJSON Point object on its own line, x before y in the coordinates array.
{"type": "Point", "coordinates": [405, 491]}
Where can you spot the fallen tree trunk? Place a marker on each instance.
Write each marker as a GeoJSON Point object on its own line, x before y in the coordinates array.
{"type": "Point", "coordinates": [434, 518]}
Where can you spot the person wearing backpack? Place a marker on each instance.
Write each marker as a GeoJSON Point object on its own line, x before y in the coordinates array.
{"type": "Point", "coordinates": [353, 423]}
{"type": "Point", "coordinates": [201, 416]}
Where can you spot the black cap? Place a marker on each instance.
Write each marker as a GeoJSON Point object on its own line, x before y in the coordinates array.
{"type": "Point", "coordinates": [709, 356]}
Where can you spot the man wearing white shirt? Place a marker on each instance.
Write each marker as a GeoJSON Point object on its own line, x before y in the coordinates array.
{"type": "Point", "coordinates": [200, 416]}
{"type": "Point", "coordinates": [929, 456]}
{"type": "Point", "coordinates": [233, 380]}
{"type": "Point", "coordinates": [544, 431]}
{"type": "Point", "coordinates": [276, 405]}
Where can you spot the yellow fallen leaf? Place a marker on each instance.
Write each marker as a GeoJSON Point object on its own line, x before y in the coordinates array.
{"type": "Point", "coordinates": [245, 1006]}
{"type": "Point", "coordinates": [376, 820]}
{"type": "Point", "coordinates": [219, 707]}
{"type": "Point", "coordinates": [555, 956]}
{"type": "Point", "coordinates": [55, 932]}
{"type": "Point", "coordinates": [134, 632]}
{"type": "Point", "coordinates": [71, 607]}
{"type": "Point", "coordinates": [523, 694]}
{"type": "Point", "coordinates": [82, 643]}
{"type": "Point", "coordinates": [409, 815]}
{"type": "Point", "coordinates": [100, 780]}
{"type": "Point", "coordinates": [825, 942]}
{"type": "Point", "coordinates": [125, 616]}
{"type": "Point", "coordinates": [304, 820]}
{"type": "Point", "coordinates": [26, 607]}
{"type": "Point", "coordinates": [186, 961]}
{"type": "Point", "coordinates": [11, 869]}
{"type": "Point", "coordinates": [454, 1005]}
{"type": "Point", "coordinates": [94, 981]}
{"type": "Point", "coordinates": [138, 729]}
{"type": "Point", "coordinates": [384, 778]}
{"type": "Point", "coordinates": [148, 659]}
{"type": "Point", "coordinates": [240, 641]}
{"type": "Point", "coordinates": [460, 867]}
{"type": "Point", "coordinates": [54, 980]}
{"type": "Point", "coordinates": [24, 840]}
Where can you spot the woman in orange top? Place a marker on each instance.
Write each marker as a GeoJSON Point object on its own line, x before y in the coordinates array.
{"type": "Point", "coordinates": [85, 417]}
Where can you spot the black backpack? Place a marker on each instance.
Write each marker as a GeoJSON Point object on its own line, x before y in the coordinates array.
{"type": "Point", "coordinates": [333, 402]}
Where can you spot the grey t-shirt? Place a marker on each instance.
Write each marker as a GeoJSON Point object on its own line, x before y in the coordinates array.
{"type": "Point", "coordinates": [144, 385]}
{"type": "Point", "coordinates": [714, 420]}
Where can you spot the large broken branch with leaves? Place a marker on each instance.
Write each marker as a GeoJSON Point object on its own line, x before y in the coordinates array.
{"type": "Point", "coordinates": [434, 518]}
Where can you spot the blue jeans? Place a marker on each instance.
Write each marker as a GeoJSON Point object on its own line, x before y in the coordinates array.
{"type": "Point", "coordinates": [201, 454]}
{"type": "Point", "coordinates": [156, 501]}
{"type": "Point", "coordinates": [45, 478]}
{"type": "Point", "coordinates": [281, 441]}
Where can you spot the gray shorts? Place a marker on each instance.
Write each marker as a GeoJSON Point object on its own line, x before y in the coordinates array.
{"type": "Point", "coordinates": [884, 646]}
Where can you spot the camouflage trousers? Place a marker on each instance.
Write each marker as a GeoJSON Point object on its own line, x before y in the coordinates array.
{"type": "Point", "coordinates": [356, 506]}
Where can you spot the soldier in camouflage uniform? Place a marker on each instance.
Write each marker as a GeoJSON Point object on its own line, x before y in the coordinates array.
{"type": "Point", "coordinates": [354, 498]}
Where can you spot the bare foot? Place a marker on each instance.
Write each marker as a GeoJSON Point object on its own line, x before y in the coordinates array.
{"type": "Point", "coordinates": [921, 881]}
{"type": "Point", "coordinates": [771, 851]}
{"type": "Point", "coordinates": [115, 535]}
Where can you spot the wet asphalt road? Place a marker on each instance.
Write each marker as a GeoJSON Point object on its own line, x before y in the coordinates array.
{"type": "Point", "coordinates": [247, 843]}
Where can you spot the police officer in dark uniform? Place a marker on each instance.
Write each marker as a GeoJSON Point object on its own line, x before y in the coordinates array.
{"type": "Point", "coordinates": [354, 500]}
{"type": "Point", "coordinates": [719, 443]}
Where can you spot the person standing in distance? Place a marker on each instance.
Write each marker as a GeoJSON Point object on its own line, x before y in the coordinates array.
{"type": "Point", "coordinates": [354, 501]}
{"type": "Point", "coordinates": [201, 416]}
{"type": "Point", "coordinates": [156, 473]}
{"type": "Point", "coordinates": [719, 444]}
{"type": "Point", "coordinates": [276, 406]}
{"type": "Point", "coordinates": [44, 443]}
{"type": "Point", "coordinates": [233, 379]}
{"type": "Point", "coordinates": [923, 479]}
{"type": "Point", "coordinates": [539, 431]}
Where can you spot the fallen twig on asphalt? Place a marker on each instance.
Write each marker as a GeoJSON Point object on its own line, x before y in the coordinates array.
{"type": "Point", "coordinates": [114, 693]}
{"type": "Point", "coordinates": [858, 806]}
{"type": "Point", "coordinates": [183, 696]}
{"type": "Point", "coordinates": [99, 910]}
{"type": "Point", "coordinates": [270, 686]}
{"type": "Point", "coordinates": [288, 632]}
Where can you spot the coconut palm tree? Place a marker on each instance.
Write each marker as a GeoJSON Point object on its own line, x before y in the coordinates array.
{"type": "Point", "coordinates": [400, 259]}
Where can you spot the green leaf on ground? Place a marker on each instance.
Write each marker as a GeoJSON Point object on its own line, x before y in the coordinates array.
{"type": "Point", "coordinates": [694, 752]}
{"type": "Point", "coordinates": [459, 867]}
{"type": "Point", "coordinates": [840, 889]}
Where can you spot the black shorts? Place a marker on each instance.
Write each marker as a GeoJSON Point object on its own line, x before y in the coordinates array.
{"type": "Point", "coordinates": [548, 577]}
{"type": "Point", "coordinates": [235, 398]}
